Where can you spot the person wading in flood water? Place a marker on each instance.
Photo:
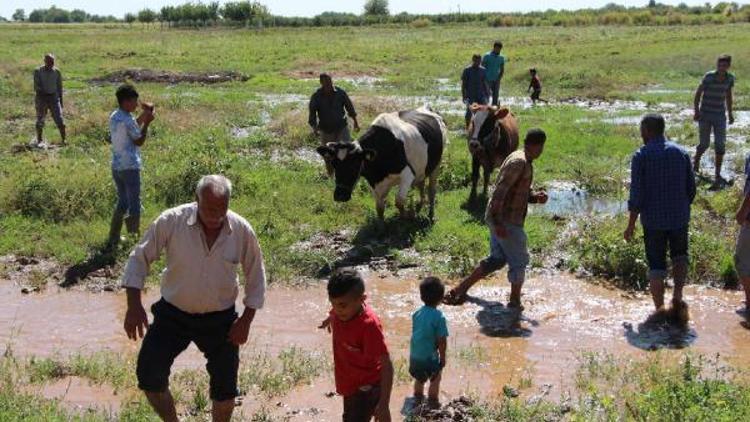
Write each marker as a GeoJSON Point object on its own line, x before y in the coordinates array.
{"type": "Point", "coordinates": [662, 188]}
{"type": "Point", "coordinates": [712, 104]}
{"type": "Point", "coordinates": [505, 216]}
{"type": "Point", "coordinates": [205, 242]}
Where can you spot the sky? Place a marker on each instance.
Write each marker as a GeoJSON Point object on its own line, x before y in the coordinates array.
{"type": "Point", "coordinates": [314, 7]}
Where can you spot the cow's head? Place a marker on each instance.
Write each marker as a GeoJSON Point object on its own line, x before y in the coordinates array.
{"type": "Point", "coordinates": [483, 124]}
{"type": "Point", "coordinates": [347, 159]}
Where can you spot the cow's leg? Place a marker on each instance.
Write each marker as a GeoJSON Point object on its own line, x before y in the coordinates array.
{"type": "Point", "coordinates": [422, 197]}
{"type": "Point", "coordinates": [407, 179]}
{"type": "Point", "coordinates": [432, 191]}
{"type": "Point", "coordinates": [380, 192]}
{"type": "Point", "coordinates": [474, 176]}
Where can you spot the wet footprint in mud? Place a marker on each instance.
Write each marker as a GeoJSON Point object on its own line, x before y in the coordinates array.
{"type": "Point", "coordinates": [662, 329]}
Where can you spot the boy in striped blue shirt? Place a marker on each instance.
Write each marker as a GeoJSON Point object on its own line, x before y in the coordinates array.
{"type": "Point", "coordinates": [712, 104]}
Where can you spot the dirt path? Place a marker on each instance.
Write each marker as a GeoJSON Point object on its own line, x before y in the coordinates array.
{"type": "Point", "coordinates": [488, 348]}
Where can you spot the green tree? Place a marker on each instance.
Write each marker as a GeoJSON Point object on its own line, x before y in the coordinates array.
{"type": "Point", "coordinates": [57, 15]}
{"type": "Point", "coordinates": [243, 11]}
{"type": "Point", "coordinates": [19, 15]}
{"type": "Point", "coordinates": [37, 15]}
{"type": "Point", "coordinates": [167, 14]}
{"type": "Point", "coordinates": [376, 8]}
{"type": "Point", "coordinates": [146, 16]}
{"type": "Point", "coordinates": [129, 18]}
{"type": "Point", "coordinates": [78, 15]}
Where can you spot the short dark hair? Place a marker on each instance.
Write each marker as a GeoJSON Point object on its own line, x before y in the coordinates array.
{"type": "Point", "coordinates": [532, 69]}
{"type": "Point", "coordinates": [345, 281]}
{"type": "Point", "coordinates": [535, 136]}
{"type": "Point", "coordinates": [476, 56]}
{"type": "Point", "coordinates": [725, 58]}
{"type": "Point", "coordinates": [498, 44]}
{"type": "Point", "coordinates": [654, 123]}
{"type": "Point", "coordinates": [126, 92]}
{"type": "Point", "coordinates": [431, 291]}
{"type": "Point", "coordinates": [325, 75]}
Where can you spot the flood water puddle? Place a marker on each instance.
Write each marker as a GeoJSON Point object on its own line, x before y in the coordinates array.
{"type": "Point", "coordinates": [490, 346]}
{"type": "Point", "coordinates": [566, 199]}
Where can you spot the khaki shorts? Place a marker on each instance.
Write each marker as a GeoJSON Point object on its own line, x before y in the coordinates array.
{"type": "Point", "coordinates": [342, 135]}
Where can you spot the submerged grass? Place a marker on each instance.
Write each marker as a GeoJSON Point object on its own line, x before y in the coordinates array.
{"type": "Point", "coordinates": [659, 386]}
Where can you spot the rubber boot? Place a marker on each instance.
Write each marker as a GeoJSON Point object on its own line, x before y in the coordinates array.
{"type": "Point", "coordinates": [115, 228]}
{"type": "Point", "coordinates": [38, 135]}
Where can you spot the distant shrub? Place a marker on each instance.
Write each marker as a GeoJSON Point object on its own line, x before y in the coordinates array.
{"type": "Point", "coordinates": [501, 21]}
{"type": "Point", "coordinates": [642, 18]}
{"type": "Point", "coordinates": [421, 23]}
{"type": "Point", "coordinates": [674, 18]}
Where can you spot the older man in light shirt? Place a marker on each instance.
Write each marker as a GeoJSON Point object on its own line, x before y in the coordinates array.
{"type": "Point", "coordinates": [48, 88]}
{"type": "Point", "coordinates": [204, 243]}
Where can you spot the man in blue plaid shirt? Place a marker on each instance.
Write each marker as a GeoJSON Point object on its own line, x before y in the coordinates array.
{"type": "Point", "coordinates": [662, 187]}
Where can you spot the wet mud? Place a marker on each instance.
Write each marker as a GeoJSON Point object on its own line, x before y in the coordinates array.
{"type": "Point", "coordinates": [79, 395]}
{"type": "Point", "coordinates": [34, 146]}
{"type": "Point", "coordinates": [168, 77]}
{"type": "Point", "coordinates": [491, 348]}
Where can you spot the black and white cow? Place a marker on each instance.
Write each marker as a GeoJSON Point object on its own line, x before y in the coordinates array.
{"type": "Point", "coordinates": [402, 148]}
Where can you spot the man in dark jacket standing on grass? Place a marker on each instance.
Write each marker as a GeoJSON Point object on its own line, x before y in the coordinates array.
{"type": "Point", "coordinates": [49, 96]}
{"type": "Point", "coordinates": [662, 189]}
{"type": "Point", "coordinates": [329, 106]}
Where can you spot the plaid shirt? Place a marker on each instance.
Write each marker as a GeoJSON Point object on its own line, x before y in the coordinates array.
{"type": "Point", "coordinates": [662, 185]}
{"type": "Point", "coordinates": [510, 199]}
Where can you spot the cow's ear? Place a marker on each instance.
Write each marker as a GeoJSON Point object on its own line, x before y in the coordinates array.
{"type": "Point", "coordinates": [369, 154]}
{"type": "Point", "coordinates": [502, 112]}
{"type": "Point", "coordinates": [326, 152]}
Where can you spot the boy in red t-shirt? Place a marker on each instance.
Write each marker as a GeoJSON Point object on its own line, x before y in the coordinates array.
{"type": "Point", "coordinates": [536, 86]}
{"type": "Point", "coordinates": [362, 365]}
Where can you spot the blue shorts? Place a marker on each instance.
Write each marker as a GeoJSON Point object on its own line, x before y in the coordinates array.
{"type": "Point", "coordinates": [424, 370]}
{"type": "Point", "coordinates": [511, 251]}
{"type": "Point", "coordinates": [717, 123]}
{"type": "Point", "coordinates": [657, 242]}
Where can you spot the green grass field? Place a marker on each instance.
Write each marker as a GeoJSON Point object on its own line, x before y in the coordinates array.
{"type": "Point", "coordinates": [58, 204]}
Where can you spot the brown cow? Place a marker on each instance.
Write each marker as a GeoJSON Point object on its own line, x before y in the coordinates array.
{"type": "Point", "coordinates": [493, 135]}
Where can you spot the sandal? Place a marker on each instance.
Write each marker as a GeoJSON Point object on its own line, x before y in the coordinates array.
{"type": "Point", "coordinates": [455, 299]}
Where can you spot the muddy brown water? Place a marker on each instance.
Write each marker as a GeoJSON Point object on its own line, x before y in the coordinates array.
{"type": "Point", "coordinates": [489, 346]}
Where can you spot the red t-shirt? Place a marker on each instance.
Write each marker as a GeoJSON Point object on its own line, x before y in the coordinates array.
{"type": "Point", "coordinates": [358, 345]}
{"type": "Point", "coordinates": [536, 84]}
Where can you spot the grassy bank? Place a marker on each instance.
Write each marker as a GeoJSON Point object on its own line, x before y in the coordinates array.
{"type": "Point", "coordinates": [657, 387]}
{"type": "Point", "coordinates": [57, 203]}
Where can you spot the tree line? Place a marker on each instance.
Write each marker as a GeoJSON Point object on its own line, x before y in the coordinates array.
{"type": "Point", "coordinates": [253, 13]}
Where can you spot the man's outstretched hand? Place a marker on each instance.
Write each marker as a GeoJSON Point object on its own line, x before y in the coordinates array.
{"type": "Point", "coordinates": [136, 322]}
